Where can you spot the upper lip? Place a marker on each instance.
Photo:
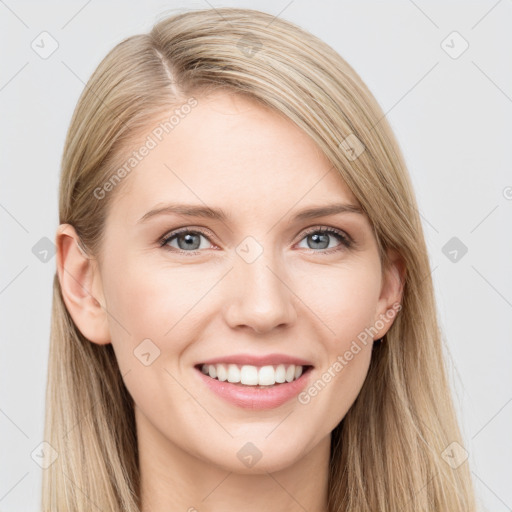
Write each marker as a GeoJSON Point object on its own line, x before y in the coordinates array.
{"type": "Point", "coordinates": [255, 360]}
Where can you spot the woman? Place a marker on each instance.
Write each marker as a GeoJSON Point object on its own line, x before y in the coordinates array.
{"type": "Point", "coordinates": [243, 312]}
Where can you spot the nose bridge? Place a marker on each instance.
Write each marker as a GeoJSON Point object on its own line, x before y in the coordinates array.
{"type": "Point", "coordinates": [259, 296]}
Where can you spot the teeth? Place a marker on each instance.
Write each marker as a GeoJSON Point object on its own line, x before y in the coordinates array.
{"type": "Point", "coordinates": [253, 375]}
{"type": "Point", "coordinates": [233, 373]}
{"type": "Point", "coordinates": [266, 376]}
{"type": "Point", "coordinates": [280, 373]}
{"type": "Point", "coordinates": [222, 372]}
{"type": "Point", "coordinates": [249, 375]}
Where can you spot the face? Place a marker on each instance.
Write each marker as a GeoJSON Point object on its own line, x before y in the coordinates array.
{"type": "Point", "coordinates": [259, 286]}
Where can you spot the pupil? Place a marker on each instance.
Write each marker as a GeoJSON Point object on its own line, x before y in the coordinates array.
{"type": "Point", "coordinates": [320, 238]}
{"type": "Point", "coordinates": [189, 241]}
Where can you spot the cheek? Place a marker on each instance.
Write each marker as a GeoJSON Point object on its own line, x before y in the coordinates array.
{"type": "Point", "coordinates": [157, 304]}
{"type": "Point", "coordinates": [343, 298]}
{"type": "Point", "coordinates": [142, 304]}
{"type": "Point", "coordinates": [168, 305]}
{"type": "Point", "coordinates": [150, 300]}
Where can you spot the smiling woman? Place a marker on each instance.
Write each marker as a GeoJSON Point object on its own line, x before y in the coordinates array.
{"type": "Point", "coordinates": [246, 319]}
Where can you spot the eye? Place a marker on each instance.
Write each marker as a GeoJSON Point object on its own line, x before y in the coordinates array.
{"type": "Point", "coordinates": [320, 236]}
{"type": "Point", "coordinates": [186, 239]}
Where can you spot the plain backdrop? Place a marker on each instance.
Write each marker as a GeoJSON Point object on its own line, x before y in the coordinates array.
{"type": "Point", "coordinates": [451, 110]}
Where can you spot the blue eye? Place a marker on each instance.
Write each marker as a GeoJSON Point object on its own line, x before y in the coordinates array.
{"type": "Point", "coordinates": [189, 241]}
{"type": "Point", "coordinates": [320, 239]}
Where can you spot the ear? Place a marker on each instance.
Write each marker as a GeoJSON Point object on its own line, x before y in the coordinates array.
{"type": "Point", "coordinates": [389, 303]}
{"type": "Point", "coordinates": [80, 282]}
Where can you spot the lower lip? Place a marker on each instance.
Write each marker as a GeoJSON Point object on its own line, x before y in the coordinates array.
{"type": "Point", "coordinates": [251, 397]}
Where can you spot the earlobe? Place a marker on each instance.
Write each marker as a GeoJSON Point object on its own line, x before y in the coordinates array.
{"type": "Point", "coordinates": [81, 286]}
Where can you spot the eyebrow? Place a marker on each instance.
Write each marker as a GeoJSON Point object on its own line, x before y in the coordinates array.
{"type": "Point", "coordinates": [191, 210]}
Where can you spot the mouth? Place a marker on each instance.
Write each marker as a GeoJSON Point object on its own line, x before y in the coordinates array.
{"type": "Point", "coordinates": [263, 377]}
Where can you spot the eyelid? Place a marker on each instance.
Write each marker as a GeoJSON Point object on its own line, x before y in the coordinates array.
{"type": "Point", "coordinates": [305, 232]}
{"type": "Point", "coordinates": [329, 229]}
{"type": "Point", "coordinates": [187, 229]}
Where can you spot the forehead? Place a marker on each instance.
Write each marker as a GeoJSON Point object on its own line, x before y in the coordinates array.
{"type": "Point", "coordinates": [231, 150]}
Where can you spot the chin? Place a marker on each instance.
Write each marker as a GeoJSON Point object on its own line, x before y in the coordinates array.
{"type": "Point", "coordinates": [260, 456]}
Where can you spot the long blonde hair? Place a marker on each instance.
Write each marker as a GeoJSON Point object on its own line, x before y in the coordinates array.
{"type": "Point", "coordinates": [387, 452]}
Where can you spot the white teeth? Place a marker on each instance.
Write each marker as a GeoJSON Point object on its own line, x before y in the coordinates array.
{"type": "Point", "coordinates": [233, 373]}
{"type": "Point", "coordinates": [222, 372]}
{"type": "Point", "coordinates": [280, 373]}
{"type": "Point", "coordinates": [253, 375]}
{"type": "Point", "coordinates": [249, 375]}
{"type": "Point", "coordinates": [266, 376]}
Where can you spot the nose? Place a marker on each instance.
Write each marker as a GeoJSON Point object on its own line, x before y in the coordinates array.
{"type": "Point", "coordinates": [260, 297]}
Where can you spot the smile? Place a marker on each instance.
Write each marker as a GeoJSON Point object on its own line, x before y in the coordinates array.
{"type": "Point", "coordinates": [249, 375]}
{"type": "Point", "coordinates": [254, 387]}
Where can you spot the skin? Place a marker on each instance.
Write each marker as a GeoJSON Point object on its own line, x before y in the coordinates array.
{"type": "Point", "coordinates": [232, 153]}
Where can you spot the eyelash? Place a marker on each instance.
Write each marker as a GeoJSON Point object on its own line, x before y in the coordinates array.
{"type": "Point", "coordinates": [345, 240]}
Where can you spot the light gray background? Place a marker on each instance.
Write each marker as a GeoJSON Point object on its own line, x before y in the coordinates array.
{"type": "Point", "coordinates": [453, 120]}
